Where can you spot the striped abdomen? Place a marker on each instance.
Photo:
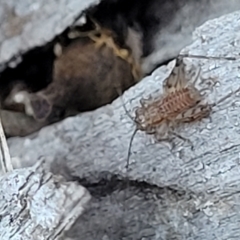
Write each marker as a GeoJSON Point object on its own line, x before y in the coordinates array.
{"type": "Point", "coordinates": [179, 101]}
{"type": "Point", "coordinates": [167, 108]}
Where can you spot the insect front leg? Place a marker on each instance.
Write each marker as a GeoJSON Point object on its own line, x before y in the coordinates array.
{"type": "Point", "coordinates": [193, 114]}
{"type": "Point", "coordinates": [161, 134]}
{"type": "Point", "coordinates": [182, 138]}
{"type": "Point", "coordinates": [172, 131]}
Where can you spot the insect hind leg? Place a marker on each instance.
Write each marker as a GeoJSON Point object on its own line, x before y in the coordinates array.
{"type": "Point", "coordinates": [161, 134]}
{"type": "Point", "coordinates": [183, 139]}
{"type": "Point", "coordinates": [170, 139]}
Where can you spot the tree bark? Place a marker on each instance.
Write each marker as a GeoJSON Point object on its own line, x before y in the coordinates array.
{"type": "Point", "coordinates": [38, 205]}
{"type": "Point", "coordinates": [26, 26]}
{"type": "Point", "coordinates": [188, 194]}
{"type": "Point", "coordinates": [31, 24]}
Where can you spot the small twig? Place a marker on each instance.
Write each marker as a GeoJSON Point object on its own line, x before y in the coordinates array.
{"type": "Point", "coordinates": [5, 155]}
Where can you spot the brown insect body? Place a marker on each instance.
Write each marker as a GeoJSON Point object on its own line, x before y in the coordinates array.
{"type": "Point", "coordinates": [166, 108]}
{"type": "Point", "coordinates": [102, 36]}
{"type": "Point", "coordinates": [180, 102]}
{"type": "Point", "coordinates": [86, 74]}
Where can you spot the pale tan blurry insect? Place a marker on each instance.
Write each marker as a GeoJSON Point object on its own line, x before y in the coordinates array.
{"type": "Point", "coordinates": [104, 37]}
{"type": "Point", "coordinates": [181, 102]}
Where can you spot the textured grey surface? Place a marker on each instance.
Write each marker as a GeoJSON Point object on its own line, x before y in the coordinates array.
{"type": "Point", "coordinates": [36, 205]}
{"type": "Point", "coordinates": [177, 25]}
{"type": "Point", "coordinates": [27, 24]}
{"type": "Point", "coordinates": [197, 192]}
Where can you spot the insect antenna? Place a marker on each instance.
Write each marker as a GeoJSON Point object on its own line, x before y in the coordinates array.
{"type": "Point", "coordinates": [207, 57]}
{"type": "Point", "coordinates": [126, 111]}
{"type": "Point", "coordinates": [135, 130]}
{"type": "Point", "coordinates": [225, 97]}
{"type": "Point", "coordinates": [130, 146]}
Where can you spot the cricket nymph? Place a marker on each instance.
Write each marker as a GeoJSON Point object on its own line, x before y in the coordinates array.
{"type": "Point", "coordinates": [181, 101]}
{"type": "Point", "coordinates": [152, 114]}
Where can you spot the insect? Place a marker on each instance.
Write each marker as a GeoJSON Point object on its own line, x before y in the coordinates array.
{"type": "Point", "coordinates": [125, 54]}
{"type": "Point", "coordinates": [102, 36]}
{"type": "Point", "coordinates": [85, 75]}
{"type": "Point", "coordinates": [181, 102]}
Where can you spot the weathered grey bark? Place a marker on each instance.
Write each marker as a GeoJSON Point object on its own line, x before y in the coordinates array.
{"type": "Point", "coordinates": [196, 193]}
{"type": "Point", "coordinates": [35, 204]}
{"type": "Point", "coordinates": [28, 24]}
{"type": "Point", "coordinates": [174, 32]}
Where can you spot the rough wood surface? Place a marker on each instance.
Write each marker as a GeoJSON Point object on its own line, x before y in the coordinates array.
{"type": "Point", "coordinates": [176, 27]}
{"type": "Point", "coordinates": [26, 25]}
{"type": "Point", "coordinates": [195, 193]}
{"type": "Point", "coordinates": [38, 205]}
{"type": "Point", "coordinates": [29, 24]}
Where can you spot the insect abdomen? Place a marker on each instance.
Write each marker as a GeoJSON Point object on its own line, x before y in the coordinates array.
{"type": "Point", "coordinates": [178, 101]}
{"type": "Point", "coordinates": [167, 108]}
